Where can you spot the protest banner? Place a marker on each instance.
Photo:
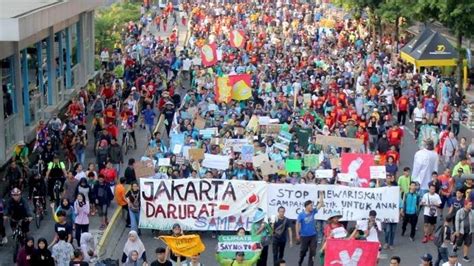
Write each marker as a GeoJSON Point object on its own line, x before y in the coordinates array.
{"type": "Point", "coordinates": [311, 161]}
{"type": "Point", "coordinates": [247, 153]}
{"type": "Point", "coordinates": [228, 245]}
{"type": "Point", "coordinates": [253, 124]}
{"type": "Point", "coordinates": [343, 252]}
{"type": "Point", "coordinates": [358, 165]}
{"type": "Point", "coordinates": [354, 203]}
{"type": "Point", "coordinates": [293, 166]}
{"type": "Point", "coordinates": [307, 99]}
{"type": "Point", "coordinates": [186, 245]}
{"type": "Point", "coordinates": [378, 172]}
{"type": "Point", "coordinates": [177, 148]}
{"type": "Point", "coordinates": [143, 170]}
{"type": "Point", "coordinates": [350, 202]}
{"type": "Point", "coordinates": [264, 120]}
{"type": "Point", "coordinates": [180, 160]}
{"type": "Point", "coordinates": [290, 196]}
{"type": "Point", "coordinates": [200, 204]}
{"type": "Point", "coordinates": [213, 161]}
{"type": "Point", "coordinates": [335, 162]}
{"type": "Point", "coordinates": [208, 132]}
{"type": "Point", "coordinates": [338, 141]}
{"type": "Point", "coordinates": [235, 144]}
{"type": "Point", "coordinates": [196, 154]}
{"type": "Point", "coordinates": [260, 159]}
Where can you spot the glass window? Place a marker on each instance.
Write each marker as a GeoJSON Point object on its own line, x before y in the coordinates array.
{"type": "Point", "coordinates": [74, 44]}
{"type": "Point", "coordinates": [7, 86]}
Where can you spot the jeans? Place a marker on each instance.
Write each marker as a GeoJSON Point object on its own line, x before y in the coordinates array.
{"type": "Point", "coordinates": [390, 229]}
{"type": "Point", "coordinates": [117, 167]}
{"type": "Point", "coordinates": [80, 228]}
{"type": "Point", "coordinates": [455, 127]}
{"type": "Point", "coordinates": [442, 255]}
{"type": "Point", "coordinates": [413, 220]}
{"type": "Point", "coordinates": [134, 220]}
{"type": "Point", "coordinates": [262, 261]}
{"type": "Point", "coordinates": [125, 210]}
{"type": "Point", "coordinates": [81, 156]}
{"type": "Point", "coordinates": [308, 242]}
{"type": "Point", "coordinates": [278, 252]}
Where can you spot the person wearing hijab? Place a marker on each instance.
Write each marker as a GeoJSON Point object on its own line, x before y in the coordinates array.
{"type": "Point", "coordinates": [81, 221]}
{"type": "Point", "coordinates": [42, 255]}
{"type": "Point", "coordinates": [132, 246]}
{"type": "Point", "coordinates": [25, 254]}
{"type": "Point", "coordinates": [84, 188]}
{"type": "Point", "coordinates": [88, 246]}
{"type": "Point", "coordinates": [67, 207]}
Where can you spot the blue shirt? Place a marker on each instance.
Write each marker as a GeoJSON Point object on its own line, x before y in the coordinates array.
{"type": "Point", "coordinates": [308, 223]}
{"type": "Point", "coordinates": [411, 203]}
{"type": "Point", "coordinates": [149, 116]}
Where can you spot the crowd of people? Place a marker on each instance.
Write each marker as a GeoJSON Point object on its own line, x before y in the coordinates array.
{"type": "Point", "coordinates": [314, 70]}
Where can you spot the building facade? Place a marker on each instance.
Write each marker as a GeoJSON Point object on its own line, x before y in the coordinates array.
{"type": "Point", "coordinates": [47, 54]}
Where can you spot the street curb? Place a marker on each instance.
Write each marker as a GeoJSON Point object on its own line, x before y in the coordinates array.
{"type": "Point", "coordinates": [107, 231]}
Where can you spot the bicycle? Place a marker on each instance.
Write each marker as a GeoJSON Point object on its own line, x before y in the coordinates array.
{"type": "Point", "coordinates": [127, 142]}
{"type": "Point", "coordinates": [19, 236]}
{"type": "Point", "coordinates": [38, 202]}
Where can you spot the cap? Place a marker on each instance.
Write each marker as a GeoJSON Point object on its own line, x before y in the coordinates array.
{"type": "Point", "coordinates": [21, 143]}
{"type": "Point", "coordinates": [427, 257]}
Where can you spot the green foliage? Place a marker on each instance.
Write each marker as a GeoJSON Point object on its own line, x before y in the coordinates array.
{"type": "Point", "coordinates": [110, 20]}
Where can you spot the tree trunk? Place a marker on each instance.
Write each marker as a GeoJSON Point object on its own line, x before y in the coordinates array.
{"type": "Point", "coordinates": [460, 62]}
{"type": "Point", "coordinates": [397, 26]}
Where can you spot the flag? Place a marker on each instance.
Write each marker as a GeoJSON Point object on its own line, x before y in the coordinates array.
{"type": "Point", "coordinates": [237, 38]}
{"type": "Point", "coordinates": [186, 245]}
{"type": "Point", "coordinates": [340, 252]}
{"type": "Point", "coordinates": [358, 164]}
{"type": "Point", "coordinates": [241, 89]}
{"type": "Point", "coordinates": [223, 90]}
{"type": "Point", "coordinates": [209, 54]}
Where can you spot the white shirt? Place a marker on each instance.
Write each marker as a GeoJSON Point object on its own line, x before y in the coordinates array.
{"type": "Point", "coordinates": [373, 235]}
{"type": "Point", "coordinates": [449, 264]}
{"type": "Point", "coordinates": [187, 64]}
{"type": "Point", "coordinates": [430, 200]}
{"type": "Point", "coordinates": [424, 163]}
{"type": "Point", "coordinates": [418, 114]}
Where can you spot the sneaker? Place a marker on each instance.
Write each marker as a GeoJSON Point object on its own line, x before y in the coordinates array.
{"type": "Point", "coordinates": [391, 247]}
{"type": "Point", "coordinates": [466, 259]}
{"type": "Point", "coordinates": [425, 239]}
{"type": "Point", "coordinates": [4, 240]}
{"type": "Point", "coordinates": [385, 246]}
{"type": "Point", "coordinates": [412, 239]}
{"type": "Point", "coordinates": [102, 227]}
{"type": "Point", "coordinates": [431, 238]}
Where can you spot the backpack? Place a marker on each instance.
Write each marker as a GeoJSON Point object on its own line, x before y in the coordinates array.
{"type": "Point", "coordinates": [439, 235]}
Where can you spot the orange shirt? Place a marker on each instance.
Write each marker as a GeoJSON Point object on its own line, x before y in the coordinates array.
{"type": "Point", "coordinates": [120, 195]}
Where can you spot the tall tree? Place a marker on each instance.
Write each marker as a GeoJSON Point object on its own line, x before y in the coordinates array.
{"type": "Point", "coordinates": [359, 6]}
{"type": "Point", "coordinates": [392, 11]}
{"type": "Point", "coordinates": [457, 16]}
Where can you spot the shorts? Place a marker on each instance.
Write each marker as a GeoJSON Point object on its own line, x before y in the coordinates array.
{"type": "Point", "coordinates": [102, 210]}
{"type": "Point", "coordinates": [465, 239]}
{"type": "Point", "coordinates": [430, 219]}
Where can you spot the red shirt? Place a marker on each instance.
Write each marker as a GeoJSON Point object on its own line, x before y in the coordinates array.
{"type": "Point", "coordinates": [403, 104]}
{"type": "Point", "coordinates": [113, 130]}
{"type": "Point", "coordinates": [395, 155]}
{"type": "Point", "coordinates": [108, 92]}
{"type": "Point", "coordinates": [395, 136]}
{"type": "Point", "coordinates": [74, 109]}
{"type": "Point", "coordinates": [110, 115]}
{"type": "Point", "coordinates": [363, 136]}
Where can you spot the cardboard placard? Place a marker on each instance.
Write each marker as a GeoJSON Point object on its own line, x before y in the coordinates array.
{"type": "Point", "coordinates": [150, 152]}
{"type": "Point", "coordinates": [164, 162]}
{"type": "Point", "coordinates": [324, 173]}
{"type": "Point", "coordinates": [378, 172]}
{"type": "Point", "coordinates": [180, 160]}
{"type": "Point", "coordinates": [260, 159]}
{"type": "Point", "coordinates": [239, 131]}
{"type": "Point", "coordinates": [196, 154]}
{"type": "Point", "coordinates": [142, 170]}
{"type": "Point", "coordinates": [199, 123]}
{"type": "Point", "coordinates": [345, 177]}
{"type": "Point", "coordinates": [307, 99]}
{"type": "Point", "coordinates": [311, 161]}
{"type": "Point", "coordinates": [269, 168]}
{"type": "Point", "coordinates": [271, 129]}
{"type": "Point", "coordinates": [335, 162]}
{"type": "Point", "coordinates": [338, 141]}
